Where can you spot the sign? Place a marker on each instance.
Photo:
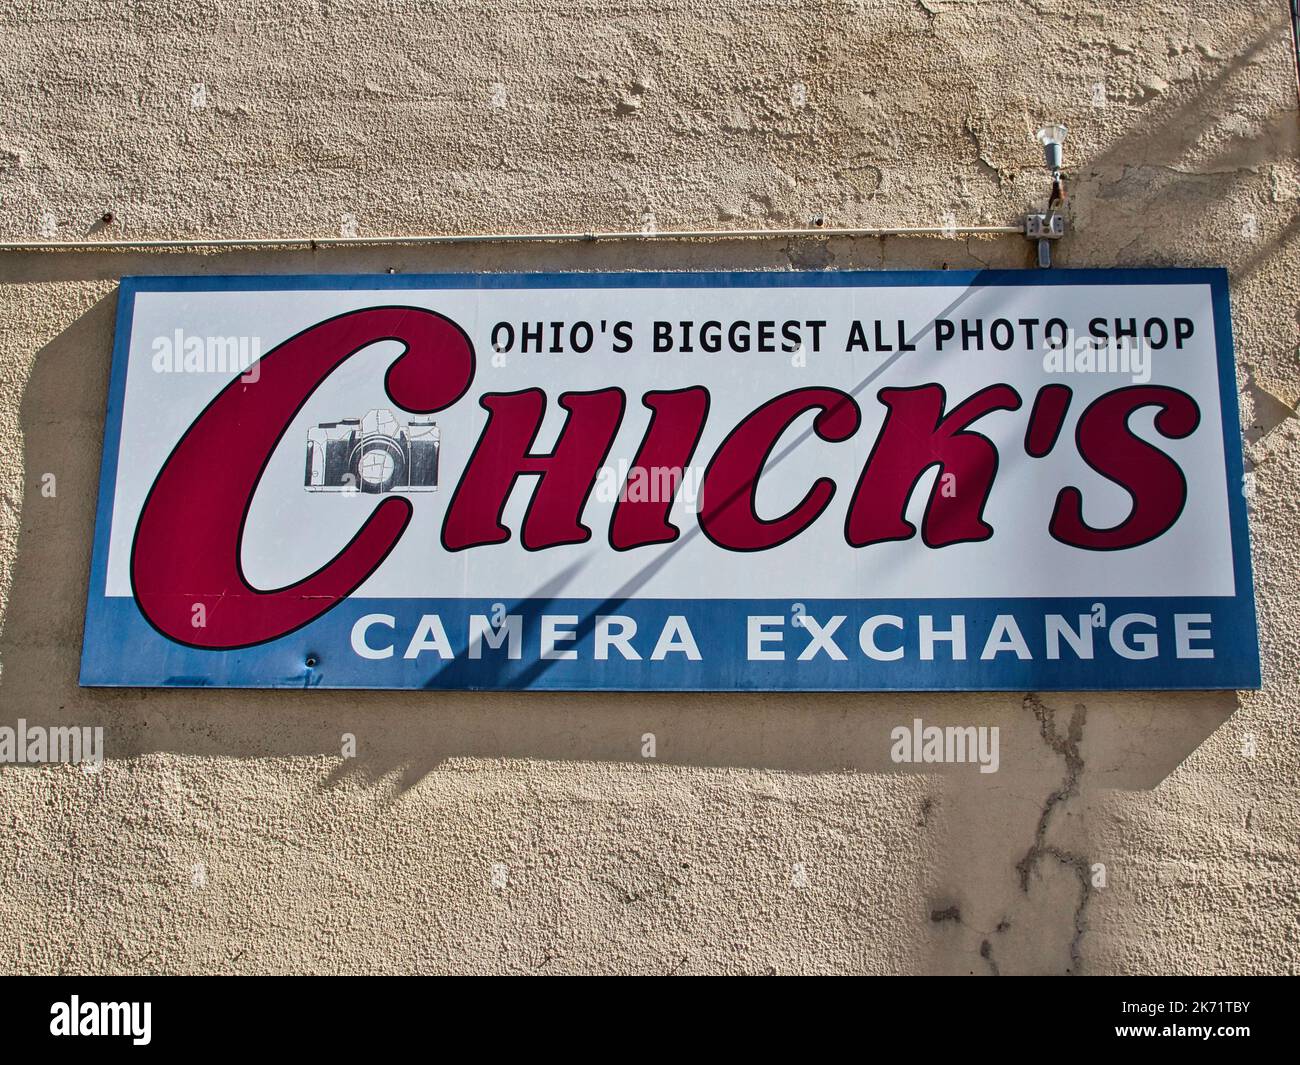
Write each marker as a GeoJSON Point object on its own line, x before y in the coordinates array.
{"type": "Point", "coordinates": [861, 481]}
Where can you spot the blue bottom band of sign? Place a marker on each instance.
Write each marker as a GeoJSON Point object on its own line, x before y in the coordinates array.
{"type": "Point", "coordinates": [1063, 644]}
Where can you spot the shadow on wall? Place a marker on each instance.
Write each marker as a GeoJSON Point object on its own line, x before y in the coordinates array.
{"type": "Point", "coordinates": [1141, 187]}
{"type": "Point", "coordinates": [1133, 740]}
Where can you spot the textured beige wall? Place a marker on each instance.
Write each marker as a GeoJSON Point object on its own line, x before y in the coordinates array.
{"type": "Point", "coordinates": [225, 833]}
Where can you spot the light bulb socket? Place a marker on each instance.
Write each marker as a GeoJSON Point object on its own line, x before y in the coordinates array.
{"type": "Point", "coordinates": [1051, 137]}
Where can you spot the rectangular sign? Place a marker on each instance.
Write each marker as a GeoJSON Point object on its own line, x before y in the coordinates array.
{"type": "Point", "coordinates": [655, 481]}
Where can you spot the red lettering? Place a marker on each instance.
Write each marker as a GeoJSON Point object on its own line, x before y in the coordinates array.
{"type": "Point", "coordinates": [727, 514]}
{"type": "Point", "coordinates": [675, 427]}
{"type": "Point", "coordinates": [187, 543]}
{"type": "Point", "coordinates": [1046, 418]}
{"type": "Point", "coordinates": [1152, 479]}
{"type": "Point", "coordinates": [504, 454]}
{"type": "Point", "coordinates": [916, 435]}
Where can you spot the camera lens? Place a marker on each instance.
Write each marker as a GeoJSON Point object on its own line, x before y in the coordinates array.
{"type": "Point", "coordinates": [379, 458]}
{"type": "Point", "coordinates": [376, 467]}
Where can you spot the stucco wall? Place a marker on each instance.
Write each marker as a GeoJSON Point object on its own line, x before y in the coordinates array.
{"type": "Point", "coordinates": [226, 834]}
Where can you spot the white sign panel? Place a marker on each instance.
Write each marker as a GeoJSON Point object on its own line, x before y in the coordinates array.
{"type": "Point", "coordinates": [998, 480]}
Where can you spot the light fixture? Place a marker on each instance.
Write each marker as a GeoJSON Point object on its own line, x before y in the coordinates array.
{"type": "Point", "coordinates": [1049, 226]}
{"type": "Point", "coordinates": [1051, 137]}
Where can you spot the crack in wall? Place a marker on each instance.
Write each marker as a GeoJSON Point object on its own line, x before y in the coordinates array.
{"type": "Point", "coordinates": [1267, 410]}
{"type": "Point", "coordinates": [1067, 746]}
{"type": "Point", "coordinates": [972, 130]}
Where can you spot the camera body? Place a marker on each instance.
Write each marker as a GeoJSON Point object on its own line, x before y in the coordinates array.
{"type": "Point", "coordinates": [373, 455]}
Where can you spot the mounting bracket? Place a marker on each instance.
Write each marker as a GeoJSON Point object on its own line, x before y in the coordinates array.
{"type": "Point", "coordinates": [1045, 228]}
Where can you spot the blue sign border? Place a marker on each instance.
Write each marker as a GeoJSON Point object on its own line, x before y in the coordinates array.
{"type": "Point", "coordinates": [121, 649]}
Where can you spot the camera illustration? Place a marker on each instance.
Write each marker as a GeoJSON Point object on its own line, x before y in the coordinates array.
{"type": "Point", "coordinates": [373, 454]}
